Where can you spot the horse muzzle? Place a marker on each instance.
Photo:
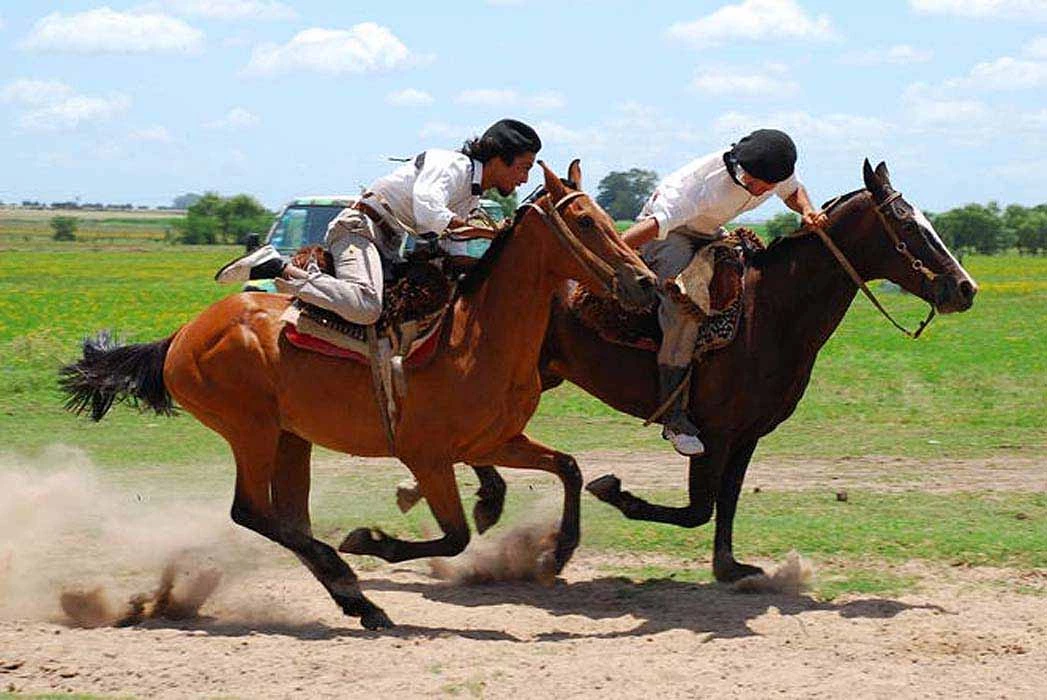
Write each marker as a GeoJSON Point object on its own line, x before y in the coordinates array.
{"type": "Point", "coordinates": [634, 288]}
{"type": "Point", "coordinates": [953, 293]}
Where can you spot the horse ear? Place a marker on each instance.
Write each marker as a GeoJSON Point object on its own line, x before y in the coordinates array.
{"type": "Point", "coordinates": [881, 172]}
{"type": "Point", "coordinates": [574, 172]}
{"type": "Point", "coordinates": [872, 181]}
{"type": "Point", "coordinates": [553, 185]}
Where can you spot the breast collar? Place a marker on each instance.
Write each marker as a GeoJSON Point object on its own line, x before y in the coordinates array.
{"type": "Point", "coordinates": [475, 173]}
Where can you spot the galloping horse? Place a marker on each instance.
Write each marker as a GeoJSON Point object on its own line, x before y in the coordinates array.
{"type": "Point", "coordinates": [232, 368]}
{"type": "Point", "coordinates": [797, 293]}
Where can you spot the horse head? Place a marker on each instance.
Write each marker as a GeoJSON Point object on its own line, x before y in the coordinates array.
{"type": "Point", "coordinates": [910, 252]}
{"type": "Point", "coordinates": [592, 252]}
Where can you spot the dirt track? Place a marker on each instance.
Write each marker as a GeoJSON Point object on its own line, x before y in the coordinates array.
{"type": "Point", "coordinates": [271, 632]}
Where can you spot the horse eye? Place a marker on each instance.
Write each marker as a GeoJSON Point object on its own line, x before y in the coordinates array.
{"type": "Point", "coordinates": [586, 221]}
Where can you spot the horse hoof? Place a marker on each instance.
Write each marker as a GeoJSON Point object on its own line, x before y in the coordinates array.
{"type": "Point", "coordinates": [408, 493]}
{"type": "Point", "coordinates": [360, 541]}
{"type": "Point", "coordinates": [736, 571]}
{"type": "Point", "coordinates": [376, 619]}
{"type": "Point", "coordinates": [607, 487]}
{"type": "Point", "coordinates": [485, 515]}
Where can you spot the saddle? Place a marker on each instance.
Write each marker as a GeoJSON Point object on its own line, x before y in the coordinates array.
{"type": "Point", "coordinates": [413, 307]}
{"type": "Point", "coordinates": [710, 289]}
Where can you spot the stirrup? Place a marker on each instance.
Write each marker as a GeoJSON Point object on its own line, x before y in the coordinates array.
{"type": "Point", "coordinates": [685, 444]}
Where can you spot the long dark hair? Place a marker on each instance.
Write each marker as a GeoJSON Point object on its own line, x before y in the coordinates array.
{"type": "Point", "coordinates": [484, 148]}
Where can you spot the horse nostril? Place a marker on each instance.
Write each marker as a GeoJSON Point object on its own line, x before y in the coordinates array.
{"type": "Point", "coordinates": [968, 290]}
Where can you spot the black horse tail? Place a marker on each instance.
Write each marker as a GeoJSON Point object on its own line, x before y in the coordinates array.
{"type": "Point", "coordinates": [110, 372]}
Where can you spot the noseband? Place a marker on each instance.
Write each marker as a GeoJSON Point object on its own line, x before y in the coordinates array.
{"type": "Point", "coordinates": [899, 246]}
{"type": "Point", "coordinates": [600, 270]}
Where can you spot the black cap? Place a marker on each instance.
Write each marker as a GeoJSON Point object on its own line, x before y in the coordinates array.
{"type": "Point", "coordinates": [513, 136]}
{"type": "Point", "coordinates": [767, 154]}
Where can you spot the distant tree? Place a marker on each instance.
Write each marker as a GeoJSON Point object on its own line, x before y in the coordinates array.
{"type": "Point", "coordinates": [622, 194]}
{"type": "Point", "coordinates": [212, 219]}
{"type": "Point", "coordinates": [1028, 227]}
{"type": "Point", "coordinates": [782, 224]}
{"type": "Point", "coordinates": [974, 227]}
{"type": "Point", "coordinates": [64, 228]}
{"type": "Point", "coordinates": [184, 201]}
{"type": "Point", "coordinates": [509, 203]}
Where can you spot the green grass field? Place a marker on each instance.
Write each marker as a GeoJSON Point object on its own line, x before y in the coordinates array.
{"type": "Point", "coordinates": [973, 385]}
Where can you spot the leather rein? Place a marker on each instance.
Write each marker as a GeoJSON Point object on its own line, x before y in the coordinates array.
{"type": "Point", "coordinates": [600, 270]}
{"type": "Point", "coordinates": [899, 246]}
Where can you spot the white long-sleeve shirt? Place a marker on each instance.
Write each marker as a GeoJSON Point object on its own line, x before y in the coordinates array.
{"type": "Point", "coordinates": [427, 198]}
{"type": "Point", "coordinates": [701, 196]}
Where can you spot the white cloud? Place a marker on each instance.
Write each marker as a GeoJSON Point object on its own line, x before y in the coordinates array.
{"type": "Point", "coordinates": [104, 30]}
{"type": "Point", "coordinates": [235, 118]}
{"type": "Point", "coordinates": [70, 112]}
{"type": "Point", "coordinates": [409, 97]}
{"type": "Point", "coordinates": [1, 21]}
{"type": "Point", "coordinates": [228, 9]}
{"type": "Point", "coordinates": [539, 102]}
{"type": "Point", "coordinates": [35, 92]}
{"type": "Point", "coordinates": [158, 134]}
{"type": "Point", "coordinates": [927, 109]}
{"type": "Point", "coordinates": [364, 48]}
{"type": "Point", "coordinates": [898, 55]}
{"type": "Point", "coordinates": [54, 106]}
{"type": "Point", "coordinates": [744, 83]}
{"type": "Point", "coordinates": [823, 131]}
{"type": "Point", "coordinates": [1001, 9]}
{"type": "Point", "coordinates": [1037, 48]}
{"type": "Point", "coordinates": [1004, 73]}
{"type": "Point", "coordinates": [754, 20]}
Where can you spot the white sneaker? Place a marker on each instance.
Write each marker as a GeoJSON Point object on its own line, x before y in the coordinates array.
{"type": "Point", "coordinates": [686, 445]}
{"type": "Point", "coordinates": [239, 270]}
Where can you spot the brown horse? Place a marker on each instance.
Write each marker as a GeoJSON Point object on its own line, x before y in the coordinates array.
{"type": "Point", "coordinates": [796, 295]}
{"type": "Point", "coordinates": [232, 368]}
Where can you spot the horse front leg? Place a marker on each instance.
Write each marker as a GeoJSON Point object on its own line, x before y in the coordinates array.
{"type": "Point", "coordinates": [701, 490]}
{"type": "Point", "coordinates": [440, 490]}
{"type": "Point", "coordinates": [726, 568]}
{"type": "Point", "coordinates": [523, 453]}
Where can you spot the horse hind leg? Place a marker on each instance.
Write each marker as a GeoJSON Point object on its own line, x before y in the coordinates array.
{"type": "Point", "coordinates": [440, 490]}
{"type": "Point", "coordinates": [272, 495]}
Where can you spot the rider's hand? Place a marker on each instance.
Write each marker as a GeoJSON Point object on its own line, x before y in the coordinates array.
{"type": "Point", "coordinates": [815, 219]}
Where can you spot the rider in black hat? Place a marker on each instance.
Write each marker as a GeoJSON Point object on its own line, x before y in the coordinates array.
{"type": "Point", "coordinates": [434, 192]}
{"type": "Point", "coordinates": [688, 210]}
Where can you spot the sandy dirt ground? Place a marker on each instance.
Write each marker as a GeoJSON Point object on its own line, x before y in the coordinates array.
{"type": "Point", "coordinates": [270, 631]}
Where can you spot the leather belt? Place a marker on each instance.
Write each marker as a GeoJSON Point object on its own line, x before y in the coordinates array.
{"type": "Point", "coordinates": [376, 218]}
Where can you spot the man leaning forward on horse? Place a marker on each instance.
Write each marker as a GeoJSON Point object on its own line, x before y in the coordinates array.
{"type": "Point", "coordinates": [686, 211]}
{"type": "Point", "coordinates": [430, 196]}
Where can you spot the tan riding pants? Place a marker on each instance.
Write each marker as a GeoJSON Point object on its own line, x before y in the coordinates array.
{"type": "Point", "coordinates": [354, 292]}
{"type": "Point", "coordinates": [667, 258]}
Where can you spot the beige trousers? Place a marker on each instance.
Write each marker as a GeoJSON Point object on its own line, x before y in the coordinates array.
{"type": "Point", "coordinates": [667, 258]}
{"type": "Point", "coordinates": [354, 292]}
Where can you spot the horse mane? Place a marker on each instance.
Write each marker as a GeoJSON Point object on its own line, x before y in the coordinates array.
{"type": "Point", "coordinates": [782, 245]}
{"type": "Point", "coordinates": [475, 278]}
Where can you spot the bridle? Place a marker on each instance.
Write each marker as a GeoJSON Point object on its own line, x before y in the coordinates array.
{"type": "Point", "coordinates": [899, 246]}
{"type": "Point", "coordinates": [600, 270]}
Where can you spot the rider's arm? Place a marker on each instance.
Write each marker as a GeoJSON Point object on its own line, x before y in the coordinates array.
{"type": "Point", "coordinates": [641, 232]}
{"type": "Point", "coordinates": [800, 203]}
{"type": "Point", "coordinates": [434, 186]}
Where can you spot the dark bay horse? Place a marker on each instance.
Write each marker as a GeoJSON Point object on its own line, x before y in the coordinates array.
{"type": "Point", "coordinates": [233, 369]}
{"type": "Point", "coordinates": [796, 295]}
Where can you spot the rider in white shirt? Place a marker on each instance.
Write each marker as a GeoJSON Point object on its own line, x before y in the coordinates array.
{"type": "Point", "coordinates": [430, 195]}
{"type": "Point", "coordinates": [687, 210]}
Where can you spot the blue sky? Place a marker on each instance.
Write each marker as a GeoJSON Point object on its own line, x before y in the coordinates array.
{"type": "Point", "coordinates": [142, 101]}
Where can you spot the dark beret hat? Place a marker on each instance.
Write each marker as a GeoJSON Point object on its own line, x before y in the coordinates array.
{"type": "Point", "coordinates": [514, 135]}
{"type": "Point", "coordinates": [768, 154]}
